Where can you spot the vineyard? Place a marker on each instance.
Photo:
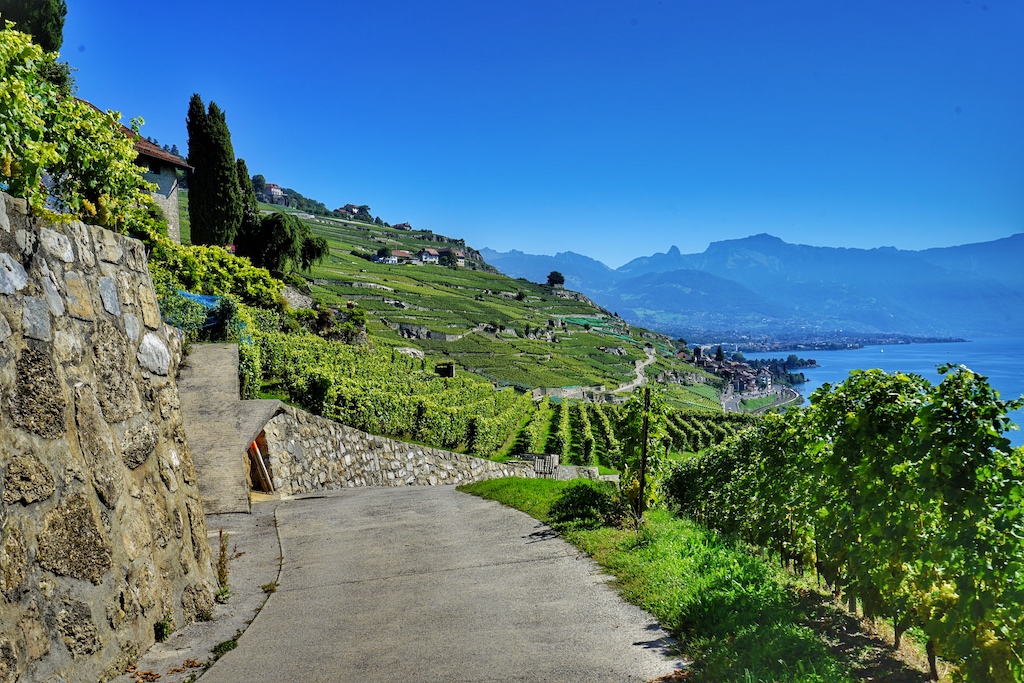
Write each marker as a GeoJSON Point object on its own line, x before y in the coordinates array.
{"type": "Point", "coordinates": [388, 393]}
{"type": "Point", "coordinates": [904, 496]}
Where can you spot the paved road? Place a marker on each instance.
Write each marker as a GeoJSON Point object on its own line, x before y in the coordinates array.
{"type": "Point", "coordinates": [428, 584]}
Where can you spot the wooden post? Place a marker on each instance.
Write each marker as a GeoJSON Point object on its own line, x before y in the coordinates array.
{"type": "Point", "coordinates": [643, 455]}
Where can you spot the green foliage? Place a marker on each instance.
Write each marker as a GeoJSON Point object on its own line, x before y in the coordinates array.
{"type": "Point", "coordinates": [587, 505]}
{"type": "Point", "coordinates": [905, 495]}
{"type": "Point", "coordinates": [539, 426]}
{"type": "Point", "coordinates": [215, 205]}
{"type": "Point", "coordinates": [280, 240]}
{"type": "Point", "coordinates": [163, 629]}
{"type": "Point", "coordinates": [560, 440]}
{"type": "Point", "coordinates": [249, 224]}
{"type": "Point", "coordinates": [42, 19]}
{"type": "Point", "coordinates": [210, 270]}
{"type": "Point", "coordinates": [313, 251]}
{"type": "Point", "coordinates": [222, 649]}
{"type": "Point", "coordinates": [629, 459]}
{"type": "Point", "coordinates": [84, 150]}
{"type": "Point", "coordinates": [183, 313]}
{"type": "Point", "coordinates": [391, 395]}
{"type": "Point", "coordinates": [555, 278]}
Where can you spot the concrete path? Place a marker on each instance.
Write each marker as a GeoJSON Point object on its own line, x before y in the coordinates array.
{"type": "Point", "coordinates": [429, 584]}
{"type": "Point", "coordinates": [219, 425]}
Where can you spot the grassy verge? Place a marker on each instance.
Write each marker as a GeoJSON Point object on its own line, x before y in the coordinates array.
{"type": "Point", "coordinates": [738, 616]}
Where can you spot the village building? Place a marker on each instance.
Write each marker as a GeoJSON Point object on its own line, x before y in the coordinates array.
{"type": "Point", "coordinates": [165, 170]}
{"type": "Point", "coordinates": [402, 226]}
{"type": "Point", "coordinates": [402, 256]}
{"type": "Point", "coordinates": [274, 193]}
{"type": "Point", "coordinates": [459, 257]}
{"type": "Point", "coordinates": [430, 256]}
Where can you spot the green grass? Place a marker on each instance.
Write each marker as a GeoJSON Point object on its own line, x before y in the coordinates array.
{"type": "Point", "coordinates": [751, 404]}
{"type": "Point", "coordinates": [183, 220]}
{"type": "Point", "coordinates": [737, 616]}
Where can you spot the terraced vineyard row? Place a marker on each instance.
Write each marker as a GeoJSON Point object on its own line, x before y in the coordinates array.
{"type": "Point", "coordinates": [393, 396]}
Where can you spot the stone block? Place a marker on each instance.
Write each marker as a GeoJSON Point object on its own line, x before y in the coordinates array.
{"type": "Point", "coordinates": [132, 327]}
{"type": "Point", "coordinates": [97, 444]}
{"type": "Point", "coordinates": [57, 245]}
{"type": "Point", "coordinates": [27, 480]}
{"type": "Point", "coordinates": [13, 277]}
{"type": "Point", "coordinates": [80, 634]}
{"type": "Point", "coordinates": [116, 391]}
{"type": "Point", "coordinates": [67, 347]}
{"type": "Point", "coordinates": [37, 641]}
{"type": "Point", "coordinates": [137, 444]}
{"type": "Point", "coordinates": [38, 402]}
{"type": "Point", "coordinates": [153, 354]}
{"type": "Point", "coordinates": [35, 318]}
{"type": "Point", "coordinates": [72, 542]}
{"type": "Point", "coordinates": [147, 301]}
{"type": "Point", "coordinates": [13, 559]}
{"type": "Point", "coordinates": [80, 235]}
{"type": "Point", "coordinates": [51, 290]}
{"type": "Point", "coordinates": [79, 298]}
{"type": "Point", "coordinates": [109, 246]}
{"type": "Point", "coordinates": [9, 670]}
{"type": "Point", "coordinates": [108, 295]}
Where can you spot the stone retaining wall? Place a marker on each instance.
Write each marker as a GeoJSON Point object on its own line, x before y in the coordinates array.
{"type": "Point", "coordinates": [309, 453]}
{"type": "Point", "coordinates": [102, 533]}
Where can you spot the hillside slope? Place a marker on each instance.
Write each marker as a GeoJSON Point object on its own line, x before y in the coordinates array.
{"type": "Point", "coordinates": [509, 331]}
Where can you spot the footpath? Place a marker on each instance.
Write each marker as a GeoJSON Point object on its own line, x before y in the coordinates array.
{"type": "Point", "coordinates": [419, 584]}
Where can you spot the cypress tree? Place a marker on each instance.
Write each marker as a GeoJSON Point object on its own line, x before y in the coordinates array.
{"type": "Point", "coordinates": [42, 19]}
{"type": "Point", "coordinates": [214, 201]}
{"type": "Point", "coordinates": [198, 144]}
{"type": "Point", "coordinates": [247, 239]}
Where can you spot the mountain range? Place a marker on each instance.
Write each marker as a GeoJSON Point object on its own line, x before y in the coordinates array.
{"type": "Point", "coordinates": [761, 285]}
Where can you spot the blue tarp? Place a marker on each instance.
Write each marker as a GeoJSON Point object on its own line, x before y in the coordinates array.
{"type": "Point", "coordinates": [207, 300]}
{"type": "Point", "coordinates": [210, 302]}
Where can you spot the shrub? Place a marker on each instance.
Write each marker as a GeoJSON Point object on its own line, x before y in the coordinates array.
{"type": "Point", "coordinates": [587, 505]}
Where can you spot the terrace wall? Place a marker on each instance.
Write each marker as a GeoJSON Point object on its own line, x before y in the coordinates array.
{"type": "Point", "coordinates": [102, 533]}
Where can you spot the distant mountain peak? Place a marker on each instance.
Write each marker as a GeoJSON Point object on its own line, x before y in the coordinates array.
{"type": "Point", "coordinates": [673, 251]}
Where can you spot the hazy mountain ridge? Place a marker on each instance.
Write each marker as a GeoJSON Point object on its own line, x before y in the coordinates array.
{"type": "Point", "coordinates": [763, 284]}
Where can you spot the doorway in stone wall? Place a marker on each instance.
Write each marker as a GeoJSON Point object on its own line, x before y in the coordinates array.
{"type": "Point", "coordinates": [259, 467]}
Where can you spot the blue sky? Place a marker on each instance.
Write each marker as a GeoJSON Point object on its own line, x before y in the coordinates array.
{"type": "Point", "coordinates": [612, 129]}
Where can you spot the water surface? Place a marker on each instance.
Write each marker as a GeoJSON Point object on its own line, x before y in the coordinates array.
{"type": "Point", "coordinates": [999, 359]}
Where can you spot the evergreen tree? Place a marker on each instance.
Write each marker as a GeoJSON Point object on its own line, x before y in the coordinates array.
{"type": "Point", "coordinates": [215, 205]}
{"type": "Point", "coordinates": [249, 228]}
{"type": "Point", "coordinates": [247, 193]}
{"type": "Point", "coordinates": [42, 19]}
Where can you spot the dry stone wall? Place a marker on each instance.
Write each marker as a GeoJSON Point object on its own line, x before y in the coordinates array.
{"type": "Point", "coordinates": [102, 533]}
{"type": "Point", "coordinates": [310, 453]}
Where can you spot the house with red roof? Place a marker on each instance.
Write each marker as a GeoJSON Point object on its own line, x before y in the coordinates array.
{"type": "Point", "coordinates": [164, 170]}
{"type": "Point", "coordinates": [402, 255]}
{"type": "Point", "coordinates": [428, 256]}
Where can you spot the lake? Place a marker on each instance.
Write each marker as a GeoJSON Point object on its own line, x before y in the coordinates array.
{"type": "Point", "coordinates": [1001, 360]}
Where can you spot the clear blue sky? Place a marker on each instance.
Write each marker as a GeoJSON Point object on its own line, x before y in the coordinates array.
{"type": "Point", "coordinates": [613, 129]}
